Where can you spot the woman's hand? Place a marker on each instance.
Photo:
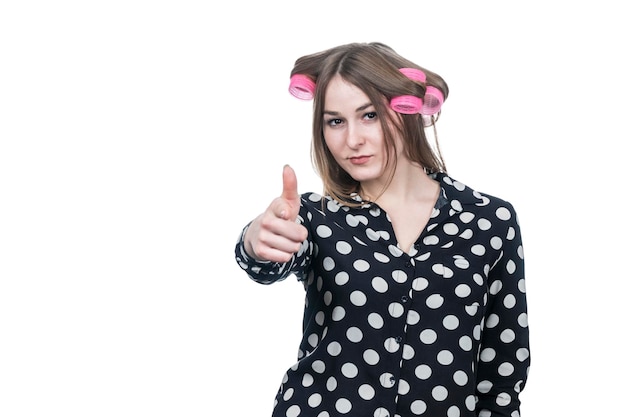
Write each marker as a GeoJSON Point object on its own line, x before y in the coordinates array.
{"type": "Point", "coordinates": [274, 235]}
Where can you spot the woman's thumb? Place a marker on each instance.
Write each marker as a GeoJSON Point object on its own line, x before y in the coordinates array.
{"type": "Point", "coordinates": [290, 185]}
{"type": "Point", "coordinates": [290, 193]}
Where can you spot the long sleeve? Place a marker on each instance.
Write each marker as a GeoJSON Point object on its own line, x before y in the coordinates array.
{"type": "Point", "coordinates": [265, 272]}
{"type": "Point", "coordinates": [504, 357]}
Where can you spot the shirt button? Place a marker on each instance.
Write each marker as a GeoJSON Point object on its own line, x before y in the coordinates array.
{"type": "Point", "coordinates": [405, 298]}
{"type": "Point", "coordinates": [407, 264]}
{"type": "Point", "coordinates": [399, 339]}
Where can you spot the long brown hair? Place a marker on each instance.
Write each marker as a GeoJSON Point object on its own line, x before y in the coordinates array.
{"type": "Point", "coordinates": [373, 68]}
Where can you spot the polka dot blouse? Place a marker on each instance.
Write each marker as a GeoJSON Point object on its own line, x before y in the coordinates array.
{"type": "Point", "coordinates": [440, 331]}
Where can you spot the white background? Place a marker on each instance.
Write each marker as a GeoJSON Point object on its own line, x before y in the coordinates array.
{"type": "Point", "coordinates": [138, 137]}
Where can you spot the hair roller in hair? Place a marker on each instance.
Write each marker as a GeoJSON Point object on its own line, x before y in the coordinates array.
{"type": "Point", "coordinates": [433, 99]}
{"type": "Point", "coordinates": [414, 74]}
{"type": "Point", "coordinates": [302, 87]}
{"type": "Point", "coordinates": [406, 104]}
{"type": "Point", "coordinates": [409, 104]}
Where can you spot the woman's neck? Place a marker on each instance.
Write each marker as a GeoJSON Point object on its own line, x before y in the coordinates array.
{"type": "Point", "coordinates": [409, 184]}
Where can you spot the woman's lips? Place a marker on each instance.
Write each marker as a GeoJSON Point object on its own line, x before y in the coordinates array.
{"type": "Point", "coordinates": [360, 160]}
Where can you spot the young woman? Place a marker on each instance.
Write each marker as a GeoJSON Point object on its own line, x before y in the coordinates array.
{"type": "Point", "coordinates": [415, 296]}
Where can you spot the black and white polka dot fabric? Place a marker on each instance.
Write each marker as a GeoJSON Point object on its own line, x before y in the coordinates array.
{"type": "Point", "coordinates": [440, 331]}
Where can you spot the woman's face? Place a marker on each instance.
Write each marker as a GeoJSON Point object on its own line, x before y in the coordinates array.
{"type": "Point", "coordinates": [353, 132]}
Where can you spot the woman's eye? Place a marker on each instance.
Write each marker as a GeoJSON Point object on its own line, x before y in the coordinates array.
{"type": "Point", "coordinates": [333, 122]}
{"type": "Point", "coordinates": [370, 115]}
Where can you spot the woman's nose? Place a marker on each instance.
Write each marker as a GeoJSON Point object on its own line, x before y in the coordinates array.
{"type": "Point", "coordinates": [355, 137]}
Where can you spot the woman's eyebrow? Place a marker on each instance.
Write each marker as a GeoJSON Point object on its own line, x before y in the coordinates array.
{"type": "Point", "coordinates": [363, 107]}
{"type": "Point", "coordinates": [358, 109]}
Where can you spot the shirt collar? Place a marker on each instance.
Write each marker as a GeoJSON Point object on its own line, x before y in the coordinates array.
{"type": "Point", "coordinates": [452, 191]}
{"type": "Point", "coordinates": [456, 193]}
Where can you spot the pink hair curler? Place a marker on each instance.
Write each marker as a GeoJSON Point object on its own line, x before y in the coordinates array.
{"type": "Point", "coordinates": [406, 104]}
{"type": "Point", "coordinates": [302, 87]}
{"type": "Point", "coordinates": [414, 74]}
{"type": "Point", "coordinates": [433, 97]}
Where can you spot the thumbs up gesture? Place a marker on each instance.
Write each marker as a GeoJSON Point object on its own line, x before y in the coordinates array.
{"type": "Point", "coordinates": [274, 235]}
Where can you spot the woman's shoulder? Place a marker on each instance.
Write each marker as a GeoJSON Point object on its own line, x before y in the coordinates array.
{"type": "Point", "coordinates": [326, 204]}
{"type": "Point", "coordinates": [312, 198]}
{"type": "Point", "coordinates": [457, 191]}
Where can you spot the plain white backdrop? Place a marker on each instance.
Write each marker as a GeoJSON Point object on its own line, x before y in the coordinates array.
{"type": "Point", "coordinates": [138, 137]}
